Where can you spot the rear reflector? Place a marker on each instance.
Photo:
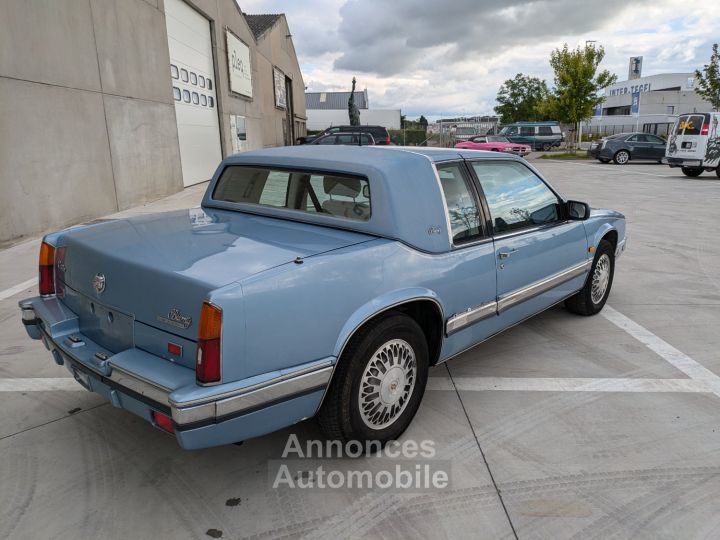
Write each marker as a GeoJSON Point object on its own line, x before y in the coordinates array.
{"type": "Point", "coordinates": [163, 421]}
{"type": "Point", "coordinates": [46, 268]}
{"type": "Point", "coordinates": [207, 359]}
{"type": "Point", "coordinates": [174, 348]}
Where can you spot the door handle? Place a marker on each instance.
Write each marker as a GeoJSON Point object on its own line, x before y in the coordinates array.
{"type": "Point", "coordinates": [506, 254]}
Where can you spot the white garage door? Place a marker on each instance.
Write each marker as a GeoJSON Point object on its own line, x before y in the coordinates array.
{"type": "Point", "coordinates": [193, 81]}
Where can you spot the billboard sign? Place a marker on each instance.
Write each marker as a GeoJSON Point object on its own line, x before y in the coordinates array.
{"type": "Point", "coordinates": [239, 65]}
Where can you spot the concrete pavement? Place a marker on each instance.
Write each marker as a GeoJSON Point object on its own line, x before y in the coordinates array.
{"type": "Point", "coordinates": [562, 427]}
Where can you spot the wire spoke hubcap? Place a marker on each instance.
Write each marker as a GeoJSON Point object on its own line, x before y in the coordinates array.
{"type": "Point", "coordinates": [387, 384]}
{"type": "Point", "coordinates": [600, 279]}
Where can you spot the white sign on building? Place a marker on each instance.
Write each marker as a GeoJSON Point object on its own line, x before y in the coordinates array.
{"type": "Point", "coordinates": [239, 65]}
{"type": "Point", "coordinates": [280, 93]}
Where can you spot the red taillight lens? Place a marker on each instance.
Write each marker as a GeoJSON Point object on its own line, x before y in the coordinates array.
{"type": "Point", "coordinates": [47, 269]}
{"type": "Point", "coordinates": [207, 359]}
{"type": "Point", "coordinates": [163, 421]}
{"type": "Point", "coordinates": [387, 139]}
{"type": "Point", "coordinates": [705, 129]}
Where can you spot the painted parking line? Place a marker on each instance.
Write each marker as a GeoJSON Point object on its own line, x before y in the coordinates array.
{"type": "Point", "coordinates": [44, 384]}
{"type": "Point", "coordinates": [12, 291]}
{"type": "Point", "coordinates": [542, 384]}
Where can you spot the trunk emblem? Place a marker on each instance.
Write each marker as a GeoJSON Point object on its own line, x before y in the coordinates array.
{"type": "Point", "coordinates": [98, 283]}
{"type": "Point", "coordinates": [176, 318]}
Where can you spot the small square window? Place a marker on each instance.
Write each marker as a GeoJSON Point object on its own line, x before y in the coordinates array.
{"type": "Point", "coordinates": [195, 98]}
{"type": "Point", "coordinates": [211, 102]}
{"type": "Point", "coordinates": [174, 71]}
{"type": "Point", "coordinates": [201, 80]}
{"type": "Point", "coordinates": [186, 96]}
{"type": "Point", "coordinates": [176, 93]}
{"type": "Point", "coordinates": [193, 78]}
{"type": "Point", "coordinates": [203, 100]}
{"type": "Point", "coordinates": [184, 75]}
{"type": "Point", "coordinates": [209, 83]}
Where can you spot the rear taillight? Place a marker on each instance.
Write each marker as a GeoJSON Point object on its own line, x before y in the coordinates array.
{"type": "Point", "coordinates": [387, 139]}
{"type": "Point", "coordinates": [207, 360]}
{"type": "Point", "coordinates": [46, 275]}
{"type": "Point", "coordinates": [705, 129]}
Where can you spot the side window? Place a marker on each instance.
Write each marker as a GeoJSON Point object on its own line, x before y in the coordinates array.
{"type": "Point", "coordinates": [545, 130]}
{"type": "Point", "coordinates": [511, 131]}
{"type": "Point", "coordinates": [330, 139]}
{"type": "Point", "coordinates": [634, 138]}
{"type": "Point", "coordinates": [461, 206]}
{"type": "Point", "coordinates": [655, 140]}
{"type": "Point", "coordinates": [344, 139]}
{"type": "Point", "coordinates": [527, 130]}
{"type": "Point", "coordinates": [517, 198]}
{"type": "Point", "coordinates": [274, 192]}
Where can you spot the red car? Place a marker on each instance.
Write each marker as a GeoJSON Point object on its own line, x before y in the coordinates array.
{"type": "Point", "coordinates": [494, 144]}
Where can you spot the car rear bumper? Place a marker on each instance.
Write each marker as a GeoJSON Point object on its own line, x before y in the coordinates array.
{"type": "Point", "coordinates": [684, 162]}
{"type": "Point", "coordinates": [142, 383]}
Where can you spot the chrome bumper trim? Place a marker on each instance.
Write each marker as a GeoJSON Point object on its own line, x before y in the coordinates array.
{"type": "Point", "coordinates": [511, 299]}
{"type": "Point", "coordinates": [139, 385]}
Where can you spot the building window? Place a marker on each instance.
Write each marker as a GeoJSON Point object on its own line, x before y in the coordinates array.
{"type": "Point", "coordinates": [195, 98]}
{"type": "Point", "coordinates": [193, 78]}
{"type": "Point", "coordinates": [201, 80]}
{"type": "Point", "coordinates": [186, 96]}
{"type": "Point", "coordinates": [211, 102]}
{"type": "Point", "coordinates": [183, 75]}
{"type": "Point", "coordinates": [671, 109]}
{"type": "Point", "coordinates": [174, 71]}
{"type": "Point", "coordinates": [203, 100]}
{"type": "Point", "coordinates": [209, 83]}
{"type": "Point", "coordinates": [176, 93]}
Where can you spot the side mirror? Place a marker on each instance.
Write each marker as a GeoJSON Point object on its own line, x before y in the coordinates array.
{"type": "Point", "coordinates": [577, 210]}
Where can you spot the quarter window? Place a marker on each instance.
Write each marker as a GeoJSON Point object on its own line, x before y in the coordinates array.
{"type": "Point", "coordinates": [461, 206]}
{"type": "Point", "coordinates": [517, 198]}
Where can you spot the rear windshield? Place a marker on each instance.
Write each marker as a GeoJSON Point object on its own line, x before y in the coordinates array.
{"type": "Point", "coordinates": [690, 124]}
{"type": "Point", "coordinates": [340, 196]}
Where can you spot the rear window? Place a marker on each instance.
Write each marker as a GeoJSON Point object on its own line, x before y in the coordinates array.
{"type": "Point", "coordinates": [545, 130]}
{"type": "Point", "coordinates": [690, 124]}
{"type": "Point", "coordinates": [334, 195]}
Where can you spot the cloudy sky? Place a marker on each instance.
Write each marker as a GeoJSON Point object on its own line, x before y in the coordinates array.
{"type": "Point", "coordinates": [449, 58]}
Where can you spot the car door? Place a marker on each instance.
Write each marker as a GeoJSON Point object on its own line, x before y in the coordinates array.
{"type": "Point", "coordinates": [656, 147]}
{"type": "Point", "coordinates": [541, 256]}
{"type": "Point", "coordinates": [638, 146]}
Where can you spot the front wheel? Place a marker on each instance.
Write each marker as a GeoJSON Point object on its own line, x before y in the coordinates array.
{"type": "Point", "coordinates": [379, 382]}
{"type": "Point", "coordinates": [692, 172]}
{"type": "Point", "coordinates": [621, 157]}
{"type": "Point", "coordinates": [592, 297]}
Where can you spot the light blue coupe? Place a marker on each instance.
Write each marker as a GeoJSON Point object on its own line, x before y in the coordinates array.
{"type": "Point", "coordinates": [314, 281]}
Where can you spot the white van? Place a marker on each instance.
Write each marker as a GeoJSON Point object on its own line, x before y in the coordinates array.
{"type": "Point", "coordinates": [694, 143]}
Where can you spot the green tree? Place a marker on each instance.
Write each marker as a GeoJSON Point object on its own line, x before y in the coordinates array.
{"type": "Point", "coordinates": [423, 123]}
{"type": "Point", "coordinates": [518, 99]}
{"type": "Point", "coordinates": [707, 83]}
{"type": "Point", "coordinates": [577, 83]}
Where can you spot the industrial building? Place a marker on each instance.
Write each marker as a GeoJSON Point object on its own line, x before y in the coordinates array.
{"type": "Point", "coordinates": [659, 99]}
{"type": "Point", "coordinates": [108, 104]}
{"type": "Point", "coordinates": [326, 109]}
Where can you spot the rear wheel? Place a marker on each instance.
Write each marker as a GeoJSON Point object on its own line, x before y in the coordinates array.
{"type": "Point", "coordinates": [546, 147]}
{"type": "Point", "coordinates": [592, 297]}
{"type": "Point", "coordinates": [621, 157]}
{"type": "Point", "coordinates": [692, 172]}
{"type": "Point", "coordinates": [379, 382]}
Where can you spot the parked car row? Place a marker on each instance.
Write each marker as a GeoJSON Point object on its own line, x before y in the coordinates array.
{"type": "Point", "coordinates": [379, 134]}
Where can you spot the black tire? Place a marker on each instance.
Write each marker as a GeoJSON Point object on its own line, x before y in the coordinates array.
{"type": "Point", "coordinates": [717, 172]}
{"type": "Point", "coordinates": [692, 172]}
{"type": "Point", "coordinates": [603, 160]}
{"type": "Point", "coordinates": [621, 157]}
{"type": "Point", "coordinates": [546, 147]}
{"type": "Point", "coordinates": [340, 416]}
{"type": "Point", "coordinates": [582, 302]}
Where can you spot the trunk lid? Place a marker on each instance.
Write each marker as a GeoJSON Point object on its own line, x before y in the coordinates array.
{"type": "Point", "coordinates": [157, 269]}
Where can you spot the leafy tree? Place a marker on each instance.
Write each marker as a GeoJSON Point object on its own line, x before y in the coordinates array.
{"type": "Point", "coordinates": [423, 122]}
{"type": "Point", "coordinates": [708, 82]}
{"type": "Point", "coordinates": [519, 99]}
{"type": "Point", "coordinates": [577, 83]}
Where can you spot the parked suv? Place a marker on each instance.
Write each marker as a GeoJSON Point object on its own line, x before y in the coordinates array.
{"type": "Point", "coordinates": [379, 133]}
{"type": "Point", "coordinates": [539, 135]}
{"type": "Point", "coordinates": [694, 144]}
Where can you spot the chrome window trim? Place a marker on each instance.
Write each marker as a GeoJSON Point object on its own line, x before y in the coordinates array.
{"type": "Point", "coordinates": [520, 232]}
{"type": "Point", "coordinates": [513, 298]}
{"type": "Point", "coordinates": [471, 316]}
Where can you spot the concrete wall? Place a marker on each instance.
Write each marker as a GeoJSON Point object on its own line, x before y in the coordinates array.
{"type": "Point", "coordinates": [87, 124]}
{"type": "Point", "coordinates": [319, 119]}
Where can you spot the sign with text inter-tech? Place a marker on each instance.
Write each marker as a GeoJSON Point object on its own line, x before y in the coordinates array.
{"type": "Point", "coordinates": [239, 65]}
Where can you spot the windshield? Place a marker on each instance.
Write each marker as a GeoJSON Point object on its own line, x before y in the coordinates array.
{"type": "Point", "coordinates": [497, 139]}
{"type": "Point", "coordinates": [320, 193]}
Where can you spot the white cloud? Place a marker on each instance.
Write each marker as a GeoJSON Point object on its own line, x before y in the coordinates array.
{"type": "Point", "coordinates": [447, 58]}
